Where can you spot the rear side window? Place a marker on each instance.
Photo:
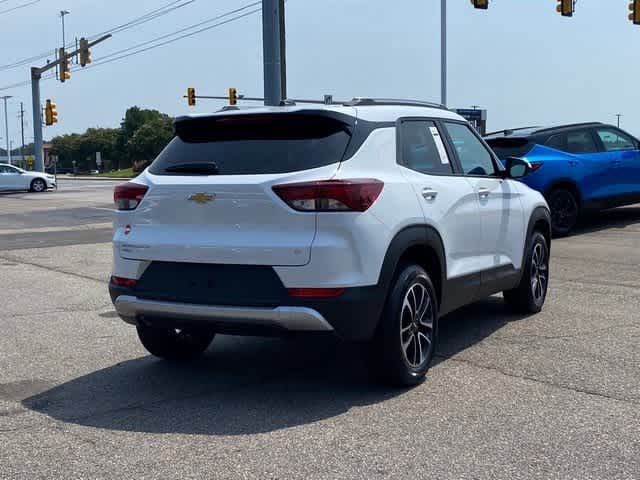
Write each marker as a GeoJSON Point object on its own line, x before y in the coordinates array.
{"type": "Point", "coordinates": [253, 144]}
{"type": "Point", "coordinates": [580, 142]}
{"type": "Point", "coordinates": [510, 147]}
{"type": "Point", "coordinates": [423, 149]}
{"type": "Point", "coordinates": [557, 141]}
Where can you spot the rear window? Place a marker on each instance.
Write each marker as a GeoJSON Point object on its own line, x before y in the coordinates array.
{"type": "Point", "coordinates": [253, 144]}
{"type": "Point", "coordinates": [510, 147]}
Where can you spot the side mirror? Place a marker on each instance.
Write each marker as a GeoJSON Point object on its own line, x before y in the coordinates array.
{"type": "Point", "coordinates": [517, 167]}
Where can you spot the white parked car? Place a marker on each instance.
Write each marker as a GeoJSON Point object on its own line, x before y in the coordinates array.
{"type": "Point", "coordinates": [14, 178]}
{"type": "Point", "coordinates": [369, 221]}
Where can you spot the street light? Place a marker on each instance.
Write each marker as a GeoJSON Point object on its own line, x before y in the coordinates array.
{"type": "Point", "coordinates": [6, 127]}
{"type": "Point", "coordinates": [62, 15]}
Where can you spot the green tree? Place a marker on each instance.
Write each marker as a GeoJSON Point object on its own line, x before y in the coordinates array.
{"type": "Point", "coordinates": [149, 140]}
{"type": "Point", "coordinates": [134, 118]}
{"type": "Point", "coordinates": [67, 148]}
{"type": "Point", "coordinates": [141, 136]}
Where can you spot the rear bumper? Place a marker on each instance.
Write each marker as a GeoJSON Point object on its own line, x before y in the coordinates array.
{"type": "Point", "coordinates": [353, 316]}
{"type": "Point", "coordinates": [299, 319]}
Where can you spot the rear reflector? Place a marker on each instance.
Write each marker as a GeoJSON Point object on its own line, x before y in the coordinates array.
{"type": "Point", "coordinates": [315, 292]}
{"type": "Point", "coordinates": [353, 195]}
{"type": "Point", "coordinates": [128, 195]}
{"type": "Point", "coordinates": [124, 282]}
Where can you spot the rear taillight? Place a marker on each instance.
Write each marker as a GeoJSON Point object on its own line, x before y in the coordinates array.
{"type": "Point", "coordinates": [315, 292]}
{"type": "Point", "coordinates": [127, 196]}
{"type": "Point", "coordinates": [124, 282]}
{"type": "Point", "coordinates": [535, 166]}
{"type": "Point", "coordinates": [353, 195]}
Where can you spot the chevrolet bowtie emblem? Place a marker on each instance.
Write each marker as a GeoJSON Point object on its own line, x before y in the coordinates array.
{"type": "Point", "coordinates": [202, 197]}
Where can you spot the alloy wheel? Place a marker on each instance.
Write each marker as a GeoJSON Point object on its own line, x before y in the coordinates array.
{"type": "Point", "coordinates": [416, 325]}
{"type": "Point", "coordinates": [539, 272]}
{"type": "Point", "coordinates": [564, 210]}
{"type": "Point", "coordinates": [38, 186]}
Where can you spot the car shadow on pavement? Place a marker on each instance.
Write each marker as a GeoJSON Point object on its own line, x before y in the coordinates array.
{"type": "Point", "coordinates": [245, 385]}
{"type": "Point", "coordinates": [608, 219]}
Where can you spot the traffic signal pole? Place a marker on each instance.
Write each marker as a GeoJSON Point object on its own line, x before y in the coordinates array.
{"type": "Point", "coordinates": [273, 46]}
{"type": "Point", "coordinates": [36, 76]}
{"type": "Point", "coordinates": [37, 118]}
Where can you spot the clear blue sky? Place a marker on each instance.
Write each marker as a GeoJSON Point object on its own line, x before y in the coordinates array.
{"type": "Point", "coordinates": [520, 59]}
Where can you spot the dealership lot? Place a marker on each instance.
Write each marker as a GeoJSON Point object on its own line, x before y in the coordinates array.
{"type": "Point", "coordinates": [556, 395]}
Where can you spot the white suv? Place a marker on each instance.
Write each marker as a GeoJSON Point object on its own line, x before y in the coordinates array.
{"type": "Point", "coordinates": [368, 220]}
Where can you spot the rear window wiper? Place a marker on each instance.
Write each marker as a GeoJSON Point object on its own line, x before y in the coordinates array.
{"type": "Point", "coordinates": [201, 168]}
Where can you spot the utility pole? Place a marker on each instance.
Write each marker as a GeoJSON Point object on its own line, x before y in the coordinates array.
{"type": "Point", "coordinates": [443, 52]}
{"type": "Point", "coordinates": [273, 45]}
{"type": "Point", "coordinates": [36, 75]}
{"type": "Point", "coordinates": [22, 130]}
{"type": "Point", "coordinates": [618, 115]}
{"type": "Point", "coordinates": [6, 127]}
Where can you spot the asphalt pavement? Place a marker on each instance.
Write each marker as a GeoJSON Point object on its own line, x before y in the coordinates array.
{"type": "Point", "coordinates": [555, 395]}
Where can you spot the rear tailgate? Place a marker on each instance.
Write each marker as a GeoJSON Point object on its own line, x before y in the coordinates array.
{"type": "Point", "coordinates": [210, 197]}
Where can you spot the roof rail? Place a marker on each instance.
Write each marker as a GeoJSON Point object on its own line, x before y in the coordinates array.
{"type": "Point", "coordinates": [569, 125]}
{"type": "Point", "coordinates": [509, 131]}
{"type": "Point", "coordinates": [363, 101]}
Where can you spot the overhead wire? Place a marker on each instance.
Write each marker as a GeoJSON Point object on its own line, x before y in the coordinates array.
{"type": "Point", "coordinates": [190, 27]}
{"type": "Point", "coordinates": [151, 15]}
{"type": "Point", "coordinates": [121, 54]}
{"type": "Point", "coordinates": [147, 17]}
{"type": "Point", "coordinates": [125, 55]}
{"type": "Point", "coordinates": [19, 7]}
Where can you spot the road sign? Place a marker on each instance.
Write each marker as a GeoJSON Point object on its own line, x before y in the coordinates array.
{"type": "Point", "coordinates": [476, 117]}
{"type": "Point", "coordinates": [99, 159]}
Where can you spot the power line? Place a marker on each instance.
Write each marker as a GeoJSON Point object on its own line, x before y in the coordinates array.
{"type": "Point", "coordinates": [107, 59]}
{"type": "Point", "coordinates": [19, 6]}
{"type": "Point", "coordinates": [147, 17]}
{"type": "Point", "coordinates": [190, 27]}
{"type": "Point", "coordinates": [151, 15]}
{"type": "Point", "coordinates": [120, 54]}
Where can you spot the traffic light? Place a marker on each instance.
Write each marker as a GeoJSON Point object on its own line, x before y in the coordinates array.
{"type": "Point", "coordinates": [50, 113]}
{"type": "Point", "coordinates": [565, 8]}
{"type": "Point", "coordinates": [65, 65]}
{"type": "Point", "coordinates": [482, 4]}
{"type": "Point", "coordinates": [191, 96]}
{"type": "Point", "coordinates": [85, 53]}
{"type": "Point", "coordinates": [634, 8]}
{"type": "Point", "coordinates": [233, 96]}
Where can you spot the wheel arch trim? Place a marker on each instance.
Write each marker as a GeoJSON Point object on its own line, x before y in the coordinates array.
{"type": "Point", "coordinates": [539, 214]}
{"type": "Point", "coordinates": [562, 182]}
{"type": "Point", "coordinates": [418, 235]}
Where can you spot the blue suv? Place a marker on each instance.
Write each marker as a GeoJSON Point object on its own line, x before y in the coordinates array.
{"type": "Point", "coordinates": [578, 168]}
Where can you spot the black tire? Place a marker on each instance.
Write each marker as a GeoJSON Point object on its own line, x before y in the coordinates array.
{"type": "Point", "coordinates": [565, 211]}
{"type": "Point", "coordinates": [405, 366]}
{"type": "Point", "coordinates": [529, 296]}
{"type": "Point", "coordinates": [38, 185]}
{"type": "Point", "coordinates": [175, 344]}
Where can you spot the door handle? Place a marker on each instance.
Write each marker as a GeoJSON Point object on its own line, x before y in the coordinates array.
{"type": "Point", "coordinates": [483, 192]}
{"type": "Point", "coordinates": [429, 193]}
